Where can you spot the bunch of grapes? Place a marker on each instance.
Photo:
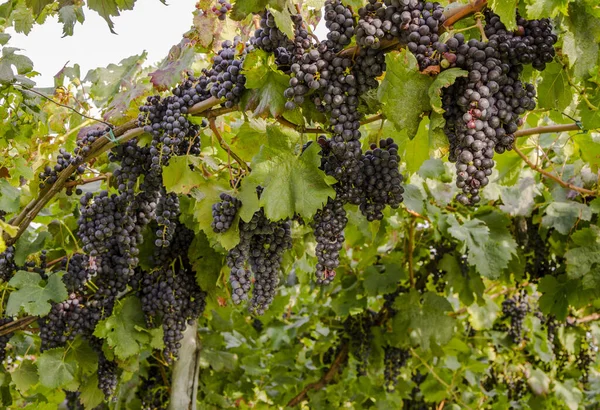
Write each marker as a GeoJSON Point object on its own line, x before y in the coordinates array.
{"type": "Point", "coordinates": [7, 263]}
{"type": "Point", "coordinates": [107, 369]}
{"type": "Point", "coordinates": [516, 309]}
{"type": "Point", "coordinates": [173, 295]}
{"type": "Point", "coordinates": [221, 9]}
{"type": "Point", "coordinates": [358, 332]}
{"type": "Point", "coordinates": [382, 179]}
{"type": "Point", "coordinates": [339, 20]}
{"type": "Point", "coordinates": [394, 360]}
{"type": "Point", "coordinates": [259, 252]}
{"type": "Point", "coordinates": [78, 271]}
{"type": "Point", "coordinates": [50, 174]}
{"type": "Point", "coordinates": [224, 212]}
{"type": "Point", "coordinates": [4, 338]}
{"type": "Point", "coordinates": [66, 320]}
{"type": "Point", "coordinates": [72, 401]}
{"type": "Point", "coordinates": [328, 225]}
{"type": "Point", "coordinates": [225, 76]}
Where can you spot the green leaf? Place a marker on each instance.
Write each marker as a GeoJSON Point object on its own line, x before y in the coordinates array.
{"type": "Point", "coordinates": [426, 322]}
{"type": "Point", "coordinates": [580, 42]}
{"type": "Point", "coordinates": [414, 152]}
{"type": "Point", "coordinates": [589, 148]}
{"type": "Point", "coordinates": [465, 283]}
{"type": "Point", "coordinates": [583, 258]}
{"type": "Point", "coordinates": [519, 199]}
{"type": "Point", "coordinates": [25, 376]}
{"type": "Point", "coordinates": [380, 283]}
{"type": "Point", "coordinates": [537, 9]}
{"type": "Point", "coordinates": [54, 370]}
{"type": "Point", "coordinates": [292, 185]}
{"type": "Point", "coordinates": [106, 9]}
{"type": "Point", "coordinates": [9, 59]}
{"type": "Point", "coordinates": [68, 16]}
{"type": "Point", "coordinates": [506, 10]}
{"type": "Point", "coordinates": [37, 6]}
{"type": "Point", "coordinates": [563, 215]}
{"type": "Point", "coordinates": [33, 295]}
{"type": "Point", "coordinates": [9, 197]}
{"type": "Point", "coordinates": [539, 382]}
{"type": "Point", "coordinates": [267, 83]}
{"type": "Point", "coordinates": [218, 360]}
{"type": "Point", "coordinates": [555, 296]}
{"type": "Point", "coordinates": [106, 82]}
{"type": "Point", "coordinates": [490, 243]}
{"type": "Point", "coordinates": [178, 177]}
{"type": "Point", "coordinates": [443, 80]}
{"type": "Point", "coordinates": [91, 396]}
{"type": "Point", "coordinates": [124, 330]}
{"type": "Point", "coordinates": [403, 92]}
{"type": "Point", "coordinates": [568, 393]}
{"type": "Point", "coordinates": [554, 91]}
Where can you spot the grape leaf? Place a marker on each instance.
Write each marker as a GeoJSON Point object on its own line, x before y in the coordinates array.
{"type": "Point", "coordinates": [91, 396]}
{"type": "Point", "coordinates": [124, 329]}
{"type": "Point", "coordinates": [9, 197]}
{"type": "Point", "coordinates": [169, 71]}
{"type": "Point", "coordinates": [32, 295]}
{"type": "Point", "coordinates": [9, 59]}
{"type": "Point", "coordinates": [582, 258]}
{"type": "Point", "coordinates": [554, 92]}
{"type": "Point", "coordinates": [68, 16]}
{"type": "Point", "coordinates": [106, 9]}
{"type": "Point", "coordinates": [292, 184]}
{"type": "Point", "coordinates": [37, 6]}
{"type": "Point", "coordinates": [106, 82]}
{"type": "Point", "coordinates": [56, 369]}
{"type": "Point", "coordinates": [443, 80]}
{"type": "Point", "coordinates": [25, 376]}
{"type": "Point", "coordinates": [568, 392]}
{"type": "Point", "coordinates": [178, 177]}
{"type": "Point", "coordinates": [380, 283]}
{"type": "Point", "coordinates": [555, 295]}
{"type": "Point", "coordinates": [205, 24]}
{"type": "Point", "coordinates": [537, 9]}
{"type": "Point", "coordinates": [563, 215]}
{"type": "Point", "coordinates": [581, 40]}
{"type": "Point", "coordinates": [589, 147]}
{"type": "Point", "coordinates": [424, 323]}
{"type": "Point", "coordinates": [403, 92]}
{"type": "Point", "coordinates": [468, 285]}
{"type": "Point", "coordinates": [267, 84]}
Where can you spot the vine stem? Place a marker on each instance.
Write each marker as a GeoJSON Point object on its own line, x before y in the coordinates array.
{"type": "Point", "coordinates": [87, 181]}
{"type": "Point", "coordinates": [546, 129]}
{"type": "Point", "coordinates": [410, 250]}
{"type": "Point", "coordinates": [323, 381]}
{"type": "Point", "coordinates": [562, 183]}
{"type": "Point", "coordinates": [225, 146]}
{"type": "Point", "coordinates": [18, 324]}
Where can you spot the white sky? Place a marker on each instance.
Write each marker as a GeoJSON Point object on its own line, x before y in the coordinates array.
{"type": "Point", "coordinates": [150, 26]}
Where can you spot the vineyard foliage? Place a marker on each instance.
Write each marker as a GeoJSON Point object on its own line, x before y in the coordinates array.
{"type": "Point", "coordinates": [402, 213]}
